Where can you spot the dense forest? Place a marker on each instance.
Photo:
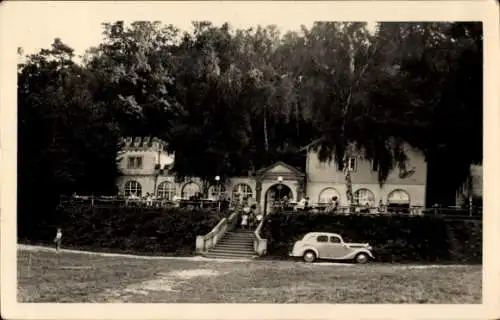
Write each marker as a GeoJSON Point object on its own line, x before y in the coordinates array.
{"type": "Point", "coordinates": [232, 101]}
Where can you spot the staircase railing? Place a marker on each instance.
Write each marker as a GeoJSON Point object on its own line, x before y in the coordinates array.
{"type": "Point", "coordinates": [208, 241]}
{"type": "Point", "coordinates": [259, 244]}
{"type": "Point", "coordinates": [232, 221]}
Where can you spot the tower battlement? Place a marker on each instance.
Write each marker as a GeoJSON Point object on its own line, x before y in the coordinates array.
{"type": "Point", "coordinates": [143, 144]}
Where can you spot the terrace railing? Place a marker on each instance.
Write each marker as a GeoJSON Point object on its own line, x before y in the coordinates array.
{"type": "Point", "coordinates": [322, 207]}
{"type": "Point", "coordinates": [474, 212]}
{"type": "Point", "coordinates": [141, 202]}
{"type": "Point", "coordinates": [445, 212]}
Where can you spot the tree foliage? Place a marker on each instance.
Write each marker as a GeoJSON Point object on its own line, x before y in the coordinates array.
{"type": "Point", "coordinates": [67, 141]}
{"type": "Point", "coordinates": [231, 101]}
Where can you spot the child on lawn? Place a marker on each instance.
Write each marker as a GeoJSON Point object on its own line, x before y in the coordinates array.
{"type": "Point", "coordinates": [57, 239]}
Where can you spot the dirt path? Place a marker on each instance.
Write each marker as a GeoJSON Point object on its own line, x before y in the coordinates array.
{"type": "Point", "coordinates": [164, 282]}
{"type": "Point", "coordinates": [32, 248]}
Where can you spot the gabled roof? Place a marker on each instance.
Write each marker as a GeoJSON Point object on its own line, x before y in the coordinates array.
{"type": "Point", "coordinates": [296, 171]}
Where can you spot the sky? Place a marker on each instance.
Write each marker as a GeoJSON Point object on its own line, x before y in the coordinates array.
{"type": "Point", "coordinates": [89, 33]}
{"type": "Point", "coordinates": [79, 24]}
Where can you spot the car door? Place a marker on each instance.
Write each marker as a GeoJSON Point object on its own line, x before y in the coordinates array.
{"type": "Point", "coordinates": [336, 248]}
{"type": "Point", "coordinates": [322, 246]}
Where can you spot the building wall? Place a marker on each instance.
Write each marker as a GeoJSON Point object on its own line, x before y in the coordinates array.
{"type": "Point", "coordinates": [152, 151]}
{"type": "Point", "coordinates": [149, 160]}
{"type": "Point", "coordinates": [416, 192]}
{"type": "Point", "coordinates": [234, 181]}
{"type": "Point", "coordinates": [322, 175]}
{"type": "Point", "coordinates": [473, 187]}
{"type": "Point", "coordinates": [164, 158]}
{"type": "Point", "coordinates": [147, 183]}
{"type": "Point", "coordinates": [364, 173]}
{"type": "Point", "coordinates": [477, 180]}
{"type": "Point", "coordinates": [318, 177]}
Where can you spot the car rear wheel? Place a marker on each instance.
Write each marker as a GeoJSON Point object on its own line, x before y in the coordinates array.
{"type": "Point", "coordinates": [362, 258]}
{"type": "Point", "coordinates": [309, 256]}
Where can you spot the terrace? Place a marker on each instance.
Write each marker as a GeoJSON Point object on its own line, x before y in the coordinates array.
{"type": "Point", "coordinates": [459, 212]}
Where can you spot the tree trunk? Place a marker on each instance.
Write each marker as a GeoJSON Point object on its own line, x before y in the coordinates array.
{"type": "Point", "coordinates": [266, 141]}
{"type": "Point", "coordinates": [348, 183]}
{"type": "Point", "coordinates": [297, 124]}
{"type": "Point", "coordinates": [347, 152]}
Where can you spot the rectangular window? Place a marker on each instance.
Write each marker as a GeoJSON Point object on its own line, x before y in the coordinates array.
{"type": "Point", "coordinates": [375, 165]}
{"type": "Point", "coordinates": [134, 162]}
{"type": "Point", "coordinates": [350, 164]}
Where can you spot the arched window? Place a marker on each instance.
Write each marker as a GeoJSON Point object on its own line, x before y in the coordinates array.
{"type": "Point", "coordinates": [166, 190]}
{"type": "Point", "coordinates": [133, 188]}
{"type": "Point", "coordinates": [364, 197]}
{"type": "Point", "coordinates": [399, 197]}
{"type": "Point", "coordinates": [241, 191]}
{"type": "Point", "coordinates": [190, 189]}
{"type": "Point", "coordinates": [327, 194]}
{"type": "Point", "coordinates": [215, 191]}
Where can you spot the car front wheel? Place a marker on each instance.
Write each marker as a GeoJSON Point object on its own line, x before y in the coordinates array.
{"type": "Point", "coordinates": [362, 258]}
{"type": "Point", "coordinates": [309, 256]}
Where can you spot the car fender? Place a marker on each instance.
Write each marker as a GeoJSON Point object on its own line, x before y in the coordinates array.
{"type": "Point", "coordinates": [362, 250]}
{"type": "Point", "coordinates": [306, 248]}
{"type": "Point", "coordinates": [354, 253]}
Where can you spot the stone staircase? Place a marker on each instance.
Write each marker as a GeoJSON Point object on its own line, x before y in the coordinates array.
{"type": "Point", "coordinates": [236, 244]}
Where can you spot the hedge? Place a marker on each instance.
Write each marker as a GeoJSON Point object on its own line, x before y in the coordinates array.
{"type": "Point", "coordinates": [394, 238]}
{"type": "Point", "coordinates": [157, 231]}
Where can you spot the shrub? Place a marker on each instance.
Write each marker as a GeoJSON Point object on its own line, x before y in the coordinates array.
{"type": "Point", "coordinates": [394, 238]}
{"type": "Point", "coordinates": [132, 230]}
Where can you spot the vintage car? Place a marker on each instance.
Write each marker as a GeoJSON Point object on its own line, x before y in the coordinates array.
{"type": "Point", "coordinates": [325, 245]}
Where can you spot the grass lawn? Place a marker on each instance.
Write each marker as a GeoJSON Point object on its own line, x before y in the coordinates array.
{"type": "Point", "coordinates": [76, 277]}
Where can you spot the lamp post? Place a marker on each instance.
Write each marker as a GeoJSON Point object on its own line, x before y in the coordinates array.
{"type": "Point", "coordinates": [280, 186]}
{"type": "Point", "coordinates": [217, 178]}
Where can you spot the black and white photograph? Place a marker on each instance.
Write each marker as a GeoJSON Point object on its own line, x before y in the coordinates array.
{"type": "Point", "coordinates": [176, 158]}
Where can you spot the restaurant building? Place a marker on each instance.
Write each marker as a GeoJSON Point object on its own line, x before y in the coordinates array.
{"type": "Point", "coordinates": [146, 167]}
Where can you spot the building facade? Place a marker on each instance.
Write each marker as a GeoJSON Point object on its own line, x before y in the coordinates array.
{"type": "Point", "coordinates": [405, 186]}
{"type": "Point", "coordinates": [146, 168]}
{"type": "Point", "coordinates": [472, 189]}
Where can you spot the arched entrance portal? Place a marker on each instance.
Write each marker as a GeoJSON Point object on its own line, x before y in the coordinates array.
{"type": "Point", "coordinates": [275, 193]}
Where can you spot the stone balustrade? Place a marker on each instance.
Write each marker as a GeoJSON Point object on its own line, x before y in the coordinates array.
{"type": "Point", "coordinates": [259, 244]}
{"type": "Point", "coordinates": [208, 241]}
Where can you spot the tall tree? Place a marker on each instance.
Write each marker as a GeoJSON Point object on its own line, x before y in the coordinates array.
{"type": "Point", "coordinates": [66, 142]}
{"type": "Point", "coordinates": [133, 69]}
{"type": "Point", "coordinates": [228, 100]}
{"type": "Point", "coordinates": [442, 64]}
{"type": "Point", "coordinates": [341, 63]}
